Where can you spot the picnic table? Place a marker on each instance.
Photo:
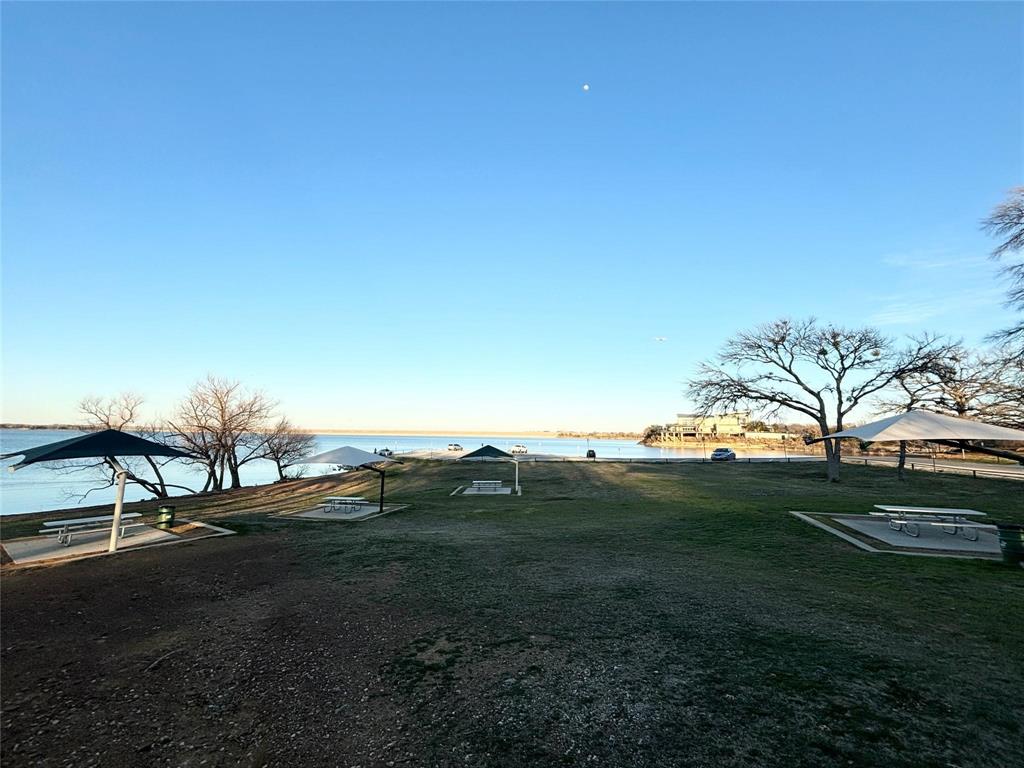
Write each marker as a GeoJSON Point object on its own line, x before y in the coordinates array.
{"type": "Point", "coordinates": [66, 529]}
{"type": "Point", "coordinates": [487, 486]}
{"type": "Point", "coordinates": [909, 519]}
{"type": "Point", "coordinates": [344, 503]}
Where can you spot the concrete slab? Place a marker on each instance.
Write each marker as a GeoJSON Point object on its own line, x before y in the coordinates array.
{"type": "Point", "coordinates": [872, 534]}
{"type": "Point", "coordinates": [931, 537]}
{"type": "Point", "coordinates": [40, 549]}
{"type": "Point", "coordinates": [362, 513]}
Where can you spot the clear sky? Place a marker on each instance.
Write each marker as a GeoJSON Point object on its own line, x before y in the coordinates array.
{"type": "Point", "coordinates": [414, 216]}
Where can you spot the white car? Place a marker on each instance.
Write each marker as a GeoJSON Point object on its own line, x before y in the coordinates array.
{"type": "Point", "coordinates": [387, 452]}
{"type": "Point", "coordinates": [454, 447]}
{"type": "Point", "coordinates": [520, 448]}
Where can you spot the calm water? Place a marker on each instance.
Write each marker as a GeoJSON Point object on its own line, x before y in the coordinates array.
{"type": "Point", "coordinates": [37, 488]}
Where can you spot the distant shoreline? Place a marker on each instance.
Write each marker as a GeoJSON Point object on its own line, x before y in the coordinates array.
{"type": "Point", "coordinates": [551, 433]}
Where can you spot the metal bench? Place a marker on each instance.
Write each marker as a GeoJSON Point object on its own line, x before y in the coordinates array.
{"type": "Point", "coordinates": [67, 529]}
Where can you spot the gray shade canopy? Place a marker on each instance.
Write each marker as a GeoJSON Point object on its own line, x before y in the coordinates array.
{"type": "Point", "coordinates": [925, 425]}
{"type": "Point", "coordinates": [108, 442]}
{"type": "Point", "coordinates": [346, 456]}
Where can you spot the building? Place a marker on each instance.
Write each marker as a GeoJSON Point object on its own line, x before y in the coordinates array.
{"type": "Point", "coordinates": [719, 425]}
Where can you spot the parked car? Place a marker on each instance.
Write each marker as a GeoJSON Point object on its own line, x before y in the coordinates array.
{"type": "Point", "coordinates": [454, 447]}
{"type": "Point", "coordinates": [519, 448]}
{"type": "Point", "coordinates": [385, 452]}
{"type": "Point", "coordinates": [591, 453]}
{"type": "Point", "coordinates": [723, 454]}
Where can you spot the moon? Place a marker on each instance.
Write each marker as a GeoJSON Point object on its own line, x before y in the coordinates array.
{"type": "Point", "coordinates": [586, 86]}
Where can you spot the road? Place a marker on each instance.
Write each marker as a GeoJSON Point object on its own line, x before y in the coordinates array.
{"type": "Point", "coordinates": [986, 469]}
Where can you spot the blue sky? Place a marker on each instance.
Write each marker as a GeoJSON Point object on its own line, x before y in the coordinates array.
{"type": "Point", "coordinates": [231, 188]}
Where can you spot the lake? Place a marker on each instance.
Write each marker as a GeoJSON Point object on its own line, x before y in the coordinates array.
{"type": "Point", "coordinates": [37, 488]}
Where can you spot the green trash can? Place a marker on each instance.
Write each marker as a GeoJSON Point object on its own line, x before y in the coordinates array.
{"type": "Point", "coordinates": [1011, 542]}
{"type": "Point", "coordinates": [165, 517]}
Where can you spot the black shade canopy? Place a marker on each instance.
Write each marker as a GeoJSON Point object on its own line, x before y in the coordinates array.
{"type": "Point", "coordinates": [109, 442]}
{"type": "Point", "coordinates": [487, 452]}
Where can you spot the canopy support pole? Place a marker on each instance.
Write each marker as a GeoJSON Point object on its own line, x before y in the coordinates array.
{"type": "Point", "coordinates": [115, 528]}
{"type": "Point", "coordinates": [381, 473]}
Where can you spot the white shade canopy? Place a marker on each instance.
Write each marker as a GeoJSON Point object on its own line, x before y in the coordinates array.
{"type": "Point", "coordinates": [925, 425]}
{"type": "Point", "coordinates": [346, 456]}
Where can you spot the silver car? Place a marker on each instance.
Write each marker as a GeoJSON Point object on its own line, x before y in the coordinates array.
{"type": "Point", "coordinates": [723, 454]}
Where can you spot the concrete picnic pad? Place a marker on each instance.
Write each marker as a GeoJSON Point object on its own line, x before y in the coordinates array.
{"type": "Point", "coordinates": [931, 537]}
{"type": "Point", "coordinates": [37, 549]}
{"type": "Point", "coordinates": [363, 512]}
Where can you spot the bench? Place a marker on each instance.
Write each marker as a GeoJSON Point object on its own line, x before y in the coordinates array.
{"type": "Point", "coordinates": [909, 520]}
{"type": "Point", "coordinates": [66, 529]}
{"type": "Point", "coordinates": [487, 486]}
{"type": "Point", "coordinates": [343, 503]}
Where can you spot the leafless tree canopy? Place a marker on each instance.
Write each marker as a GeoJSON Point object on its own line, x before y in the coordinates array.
{"type": "Point", "coordinates": [820, 371]}
{"type": "Point", "coordinates": [1007, 223]}
{"type": "Point", "coordinates": [123, 413]}
{"type": "Point", "coordinates": [285, 445]}
{"type": "Point", "coordinates": [118, 412]}
{"type": "Point", "coordinates": [983, 385]}
{"type": "Point", "coordinates": [223, 426]}
{"type": "Point", "coordinates": [220, 424]}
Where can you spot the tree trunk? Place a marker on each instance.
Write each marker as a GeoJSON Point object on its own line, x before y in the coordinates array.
{"type": "Point", "coordinates": [236, 479]}
{"type": "Point", "coordinates": [901, 465]}
{"type": "Point", "coordinates": [831, 454]}
{"type": "Point", "coordinates": [280, 470]}
{"type": "Point", "coordinates": [832, 461]}
{"type": "Point", "coordinates": [161, 485]}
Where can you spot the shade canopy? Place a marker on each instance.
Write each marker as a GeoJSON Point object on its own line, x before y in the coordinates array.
{"type": "Point", "coordinates": [346, 456]}
{"type": "Point", "coordinates": [925, 425]}
{"type": "Point", "coordinates": [486, 452]}
{"type": "Point", "coordinates": [109, 442]}
{"type": "Point", "coordinates": [353, 458]}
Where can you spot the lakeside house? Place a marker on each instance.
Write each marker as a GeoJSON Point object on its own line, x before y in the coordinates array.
{"type": "Point", "coordinates": [733, 424]}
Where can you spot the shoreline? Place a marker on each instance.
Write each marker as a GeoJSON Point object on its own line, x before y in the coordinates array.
{"type": "Point", "coordinates": [548, 433]}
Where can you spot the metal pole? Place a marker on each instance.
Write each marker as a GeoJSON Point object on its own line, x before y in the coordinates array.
{"type": "Point", "coordinates": [381, 490]}
{"type": "Point", "coordinates": [115, 528]}
{"type": "Point", "coordinates": [517, 474]}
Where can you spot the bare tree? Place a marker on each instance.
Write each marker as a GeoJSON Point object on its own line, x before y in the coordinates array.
{"type": "Point", "coordinates": [121, 412]}
{"type": "Point", "coordinates": [1007, 223]}
{"type": "Point", "coordinates": [820, 371]}
{"type": "Point", "coordinates": [224, 426]}
{"type": "Point", "coordinates": [285, 445]}
{"type": "Point", "coordinates": [194, 425]}
{"type": "Point", "coordinates": [1007, 408]}
{"type": "Point", "coordinates": [985, 385]}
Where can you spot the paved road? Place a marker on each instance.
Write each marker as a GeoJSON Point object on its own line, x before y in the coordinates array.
{"type": "Point", "coordinates": [1005, 469]}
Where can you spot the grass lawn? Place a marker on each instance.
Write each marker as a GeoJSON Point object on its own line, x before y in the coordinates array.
{"type": "Point", "coordinates": [614, 615]}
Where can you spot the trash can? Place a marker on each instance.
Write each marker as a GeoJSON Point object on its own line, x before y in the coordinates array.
{"type": "Point", "coordinates": [165, 517]}
{"type": "Point", "coordinates": [1011, 542]}
{"type": "Point", "coordinates": [591, 454]}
